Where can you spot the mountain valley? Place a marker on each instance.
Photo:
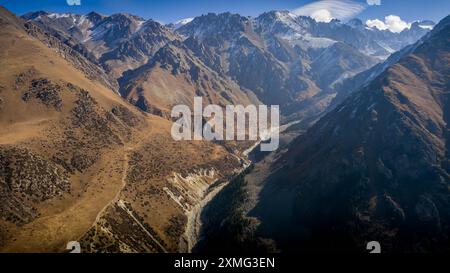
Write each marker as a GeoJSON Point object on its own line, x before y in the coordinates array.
{"type": "Point", "coordinates": [86, 152]}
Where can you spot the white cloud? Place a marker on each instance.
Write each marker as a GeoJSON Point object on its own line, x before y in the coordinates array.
{"type": "Point", "coordinates": [396, 24]}
{"type": "Point", "coordinates": [326, 10]}
{"type": "Point", "coordinates": [322, 15]}
{"type": "Point", "coordinates": [376, 23]}
{"type": "Point", "coordinates": [392, 22]}
{"type": "Point", "coordinates": [373, 2]}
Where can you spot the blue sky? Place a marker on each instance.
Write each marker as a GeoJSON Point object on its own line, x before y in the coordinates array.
{"type": "Point", "coordinates": [171, 10]}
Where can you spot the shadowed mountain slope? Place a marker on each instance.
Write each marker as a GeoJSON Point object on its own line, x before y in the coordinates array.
{"type": "Point", "coordinates": [375, 168]}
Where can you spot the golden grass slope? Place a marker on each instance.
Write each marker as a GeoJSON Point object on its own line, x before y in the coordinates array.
{"type": "Point", "coordinates": [72, 151]}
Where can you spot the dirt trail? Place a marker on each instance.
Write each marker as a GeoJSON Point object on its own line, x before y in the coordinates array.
{"type": "Point", "coordinates": [75, 215]}
{"type": "Point", "coordinates": [124, 182]}
{"type": "Point", "coordinates": [122, 205]}
{"type": "Point", "coordinates": [52, 231]}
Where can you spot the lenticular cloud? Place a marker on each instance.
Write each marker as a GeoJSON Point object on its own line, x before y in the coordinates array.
{"type": "Point", "coordinates": [325, 11]}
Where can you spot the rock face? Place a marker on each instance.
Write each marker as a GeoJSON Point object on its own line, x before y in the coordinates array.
{"type": "Point", "coordinates": [375, 168]}
{"type": "Point", "coordinates": [118, 42]}
{"type": "Point", "coordinates": [284, 59]}
{"type": "Point", "coordinates": [248, 55]}
{"type": "Point", "coordinates": [176, 68]}
{"type": "Point", "coordinates": [138, 48]}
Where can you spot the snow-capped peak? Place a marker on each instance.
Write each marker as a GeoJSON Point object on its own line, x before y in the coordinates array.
{"type": "Point", "coordinates": [182, 22]}
{"type": "Point", "coordinates": [58, 15]}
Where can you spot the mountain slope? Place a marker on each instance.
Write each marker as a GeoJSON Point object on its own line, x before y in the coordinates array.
{"type": "Point", "coordinates": [75, 156]}
{"type": "Point", "coordinates": [119, 42]}
{"type": "Point", "coordinates": [175, 76]}
{"type": "Point", "coordinates": [73, 55]}
{"type": "Point", "coordinates": [137, 49]}
{"type": "Point", "coordinates": [375, 168]}
{"type": "Point", "coordinates": [295, 51]}
{"type": "Point", "coordinates": [278, 56]}
{"type": "Point", "coordinates": [349, 85]}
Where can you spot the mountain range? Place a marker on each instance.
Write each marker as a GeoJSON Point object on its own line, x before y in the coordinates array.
{"type": "Point", "coordinates": [374, 168]}
{"type": "Point", "coordinates": [277, 57]}
{"type": "Point", "coordinates": [86, 152]}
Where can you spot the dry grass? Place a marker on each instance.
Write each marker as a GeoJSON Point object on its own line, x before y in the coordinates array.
{"type": "Point", "coordinates": [112, 151]}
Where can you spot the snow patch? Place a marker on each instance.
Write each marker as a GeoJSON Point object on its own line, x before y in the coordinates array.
{"type": "Point", "coordinates": [139, 25]}
{"type": "Point", "coordinates": [429, 27]}
{"type": "Point", "coordinates": [182, 22]}
{"type": "Point", "coordinates": [308, 40]}
{"type": "Point", "coordinates": [58, 15]}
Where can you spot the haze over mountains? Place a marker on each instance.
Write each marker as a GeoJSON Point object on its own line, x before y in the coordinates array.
{"type": "Point", "coordinates": [86, 152]}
